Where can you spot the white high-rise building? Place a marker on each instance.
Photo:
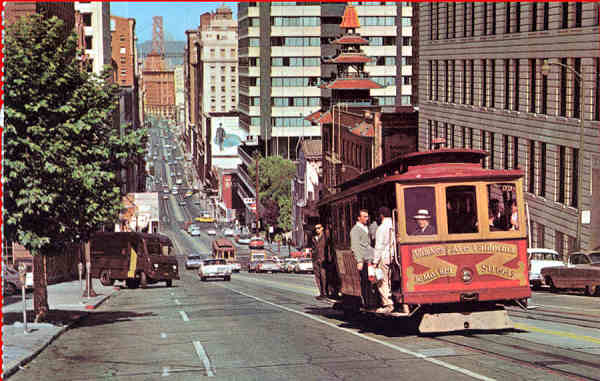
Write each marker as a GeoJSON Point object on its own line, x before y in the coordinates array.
{"type": "Point", "coordinates": [97, 28]}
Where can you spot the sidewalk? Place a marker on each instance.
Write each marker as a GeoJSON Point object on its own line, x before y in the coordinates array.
{"type": "Point", "coordinates": [66, 308]}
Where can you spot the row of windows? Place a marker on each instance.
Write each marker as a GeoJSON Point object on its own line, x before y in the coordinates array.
{"type": "Point", "coordinates": [296, 21]}
{"type": "Point", "coordinates": [379, 20]}
{"type": "Point", "coordinates": [295, 101]}
{"type": "Point", "coordinates": [536, 158]}
{"type": "Point", "coordinates": [290, 122]}
{"type": "Point", "coordinates": [296, 61]}
{"type": "Point", "coordinates": [381, 41]}
{"type": "Point", "coordinates": [378, 3]}
{"type": "Point", "coordinates": [385, 101]}
{"type": "Point", "coordinates": [292, 41]}
{"type": "Point", "coordinates": [294, 81]}
{"type": "Point", "coordinates": [455, 81]}
{"type": "Point", "coordinates": [384, 81]}
{"type": "Point", "coordinates": [444, 18]}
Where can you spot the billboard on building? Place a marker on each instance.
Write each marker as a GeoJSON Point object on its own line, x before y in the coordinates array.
{"type": "Point", "coordinates": [227, 136]}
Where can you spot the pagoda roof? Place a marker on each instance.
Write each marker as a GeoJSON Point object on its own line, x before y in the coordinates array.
{"type": "Point", "coordinates": [352, 84]}
{"type": "Point", "coordinates": [350, 18]}
{"type": "Point", "coordinates": [314, 116]}
{"type": "Point", "coordinates": [351, 39]}
{"type": "Point", "coordinates": [348, 58]}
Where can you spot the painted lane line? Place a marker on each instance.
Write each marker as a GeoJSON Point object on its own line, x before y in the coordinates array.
{"type": "Point", "coordinates": [184, 316]}
{"type": "Point", "coordinates": [163, 335]}
{"type": "Point", "coordinates": [568, 335]}
{"type": "Point", "coordinates": [177, 302]}
{"type": "Point", "coordinates": [567, 308]}
{"type": "Point", "coordinates": [421, 356]}
{"type": "Point", "coordinates": [202, 354]}
{"type": "Point", "coordinates": [165, 372]}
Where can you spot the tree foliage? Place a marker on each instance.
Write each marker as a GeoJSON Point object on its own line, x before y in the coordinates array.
{"type": "Point", "coordinates": [275, 184]}
{"type": "Point", "coordinates": [61, 151]}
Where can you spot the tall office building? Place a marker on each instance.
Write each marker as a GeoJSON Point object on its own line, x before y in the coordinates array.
{"type": "Point", "coordinates": [484, 84]}
{"type": "Point", "coordinates": [96, 21]}
{"type": "Point", "coordinates": [282, 63]}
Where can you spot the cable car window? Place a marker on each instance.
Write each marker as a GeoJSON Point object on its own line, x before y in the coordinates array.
{"type": "Point", "coordinates": [503, 213]}
{"type": "Point", "coordinates": [461, 208]}
{"type": "Point", "coordinates": [420, 211]}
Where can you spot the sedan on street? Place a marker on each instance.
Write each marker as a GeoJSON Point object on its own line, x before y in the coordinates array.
{"type": "Point", "coordinates": [211, 231]}
{"type": "Point", "coordinates": [214, 268]}
{"type": "Point", "coordinates": [268, 266]}
{"type": "Point", "coordinates": [194, 261]}
{"type": "Point", "coordinates": [228, 232]}
{"type": "Point", "coordinates": [304, 266]}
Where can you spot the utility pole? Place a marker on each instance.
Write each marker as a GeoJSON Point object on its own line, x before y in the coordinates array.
{"type": "Point", "coordinates": [256, 191]}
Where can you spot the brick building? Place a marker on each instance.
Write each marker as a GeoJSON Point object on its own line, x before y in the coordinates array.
{"type": "Point", "coordinates": [159, 87]}
{"type": "Point", "coordinates": [63, 10]}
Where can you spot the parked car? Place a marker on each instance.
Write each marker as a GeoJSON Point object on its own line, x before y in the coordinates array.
{"type": "Point", "coordinates": [228, 232]}
{"type": "Point", "coordinates": [235, 267]}
{"type": "Point", "coordinates": [211, 231]}
{"type": "Point", "coordinates": [581, 273]}
{"type": "Point", "coordinates": [11, 284]}
{"type": "Point", "coordinates": [303, 266]}
{"type": "Point", "coordinates": [214, 268]}
{"type": "Point", "coordinates": [268, 266]}
{"type": "Point", "coordinates": [539, 259]}
{"type": "Point", "coordinates": [29, 276]}
{"type": "Point", "coordinates": [194, 261]}
{"type": "Point", "coordinates": [289, 264]}
{"type": "Point", "coordinates": [243, 239]}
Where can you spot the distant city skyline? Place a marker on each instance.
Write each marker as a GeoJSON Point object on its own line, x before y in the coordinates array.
{"type": "Point", "coordinates": [177, 16]}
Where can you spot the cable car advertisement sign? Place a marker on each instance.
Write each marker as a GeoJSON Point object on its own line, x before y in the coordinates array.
{"type": "Point", "coordinates": [464, 266]}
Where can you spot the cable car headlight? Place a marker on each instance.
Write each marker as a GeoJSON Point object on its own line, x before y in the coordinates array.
{"type": "Point", "coordinates": [467, 275]}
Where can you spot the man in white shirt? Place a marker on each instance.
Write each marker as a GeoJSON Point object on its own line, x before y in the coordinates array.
{"type": "Point", "coordinates": [384, 239]}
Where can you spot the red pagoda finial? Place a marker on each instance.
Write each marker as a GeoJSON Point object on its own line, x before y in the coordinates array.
{"type": "Point", "coordinates": [350, 18]}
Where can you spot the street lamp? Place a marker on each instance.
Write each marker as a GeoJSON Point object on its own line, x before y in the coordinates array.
{"type": "Point", "coordinates": [579, 77]}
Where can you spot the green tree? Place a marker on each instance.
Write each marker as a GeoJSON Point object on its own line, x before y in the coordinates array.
{"type": "Point", "coordinates": [275, 183]}
{"type": "Point", "coordinates": [61, 153]}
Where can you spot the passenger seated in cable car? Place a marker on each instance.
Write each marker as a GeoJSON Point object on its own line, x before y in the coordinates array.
{"type": "Point", "coordinates": [423, 226]}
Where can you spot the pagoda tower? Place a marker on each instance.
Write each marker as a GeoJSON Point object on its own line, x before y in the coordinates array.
{"type": "Point", "coordinates": [351, 85]}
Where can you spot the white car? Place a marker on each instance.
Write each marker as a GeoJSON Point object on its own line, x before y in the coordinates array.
{"type": "Point", "coordinates": [211, 231]}
{"type": "Point", "coordinates": [235, 267]}
{"type": "Point", "coordinates": [174, 191]}
{"type": "Point", "coordinates": [539, 259]}
{"type": "Point", "coordinates": [304, 266]}
{"type": "Point", "coordinates": [214, 268]}
{"type": "Point", "coordinates": [228, 232]}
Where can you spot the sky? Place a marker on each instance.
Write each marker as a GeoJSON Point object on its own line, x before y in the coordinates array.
{"type": "Point", "coordinates": [177, 16]}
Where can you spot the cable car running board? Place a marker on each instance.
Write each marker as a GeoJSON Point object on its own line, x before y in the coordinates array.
{"type": "Point", "coordinates": [460, 321]}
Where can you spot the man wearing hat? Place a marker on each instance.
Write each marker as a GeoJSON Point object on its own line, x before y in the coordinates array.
{"type": "Point", "coordinates": [423, 226]}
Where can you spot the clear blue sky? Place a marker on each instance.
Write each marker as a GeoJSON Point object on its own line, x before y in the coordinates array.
{"type": "Point", "coordinates": [177, 16]}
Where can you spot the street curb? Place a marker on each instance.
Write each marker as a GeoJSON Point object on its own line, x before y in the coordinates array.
{"type": "Point", "coordinates": [28, 358]}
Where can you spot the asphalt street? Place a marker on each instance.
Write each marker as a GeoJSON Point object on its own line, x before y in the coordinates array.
{"type": "Point", "coordinates": [270, 327]}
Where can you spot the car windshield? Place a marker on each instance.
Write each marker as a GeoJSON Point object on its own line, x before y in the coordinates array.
{"type": "Point", "coordinates": [194, 257]}
{"type": "Point", "coordinates": [215, 262]}
{"type": "Point", "coordinates": [540, 256]}
{"type": "Point", "coordinates": [595, 257]}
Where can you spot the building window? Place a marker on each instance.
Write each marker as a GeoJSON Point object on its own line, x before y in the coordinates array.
{"type": "Point", "coordinates": [485, 18]}
{"type": "Point", "coordinates": [472, 82]}
{"type": "Point", "coordinates": [562, 171]}
{"type": "Point", "coordinates": [464, 83]}
{"type": "Point", "coordinates": [531, 180]}
{"type": "Point", "coordinates": [453, 81]}
{"type": "Point", "coordinates": [482, 133]}
{"type": "Point", "coordinates": [506, 84]}
{"type": "Point", "coordinates": [597, 90]}
{"type": "Point", "coordinates": [516, 98]}
{"type": "Point", "coordinates": [518, 17]}
{"type": "Point", "coordinates": [532, 85]}
{"type": "Point", "coordinates": [453, 20]}
{"type": "Point", "coordinates": [564, 15]}
{"type": "Point", "coordinates": [431, 20]}
{"type": "Point", "coordinates": [507, 18]}
{"type": "Point", "coordinates": [484, 83]}
{"type": "Point", "coordinates": [505, 151]}
{"type": "Point", "coordinates": [542, 176]}
{"type": "Point", "coordinates": [430, 135]}
{"type": "Point", "coordinates": [446, 87]}
{"type": "Point", "coordinates": [559, 243]}
{"type": "Point", "coordinates": [577, 90]}
{"type": "Point", "coordinates": [437, 83]}
{"type": "Point", "coordinates": [492, 149]}
{"type": "Point", "coordinates": [493, 83]}
{"type": "Point", "coordinates": [437, 21]}
{"type": "Point", "coordinates": [574, 177]}
{"type": "Point", "coordinates": [515, 152]}
{"type": "Point", "coordinates": [493, 18]}
{"type": "Point", "coordinates": [472, 19]}
{"type": "Point", "coordinates": [430, 80]}
{"type": "Point", "coordinates": [544, 105]}
{"type": "Point", "coordinates": [88, 42]}
{"type": "Point", "coordinates": [452, 135]}
{"type": "Point", "coordinates": [87, 19]}
{"type": "Point", "coordinates": [464, 19]}
{"type": "Point", "coordinates": [447, 20]}
{"type": "Point", "coordinates": [563, 88]}
{"type": "Point", "coordinates": [534, 10]}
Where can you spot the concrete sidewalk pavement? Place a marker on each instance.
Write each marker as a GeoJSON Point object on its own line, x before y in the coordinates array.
{"type": "Point", "coordinates": [67, 307]}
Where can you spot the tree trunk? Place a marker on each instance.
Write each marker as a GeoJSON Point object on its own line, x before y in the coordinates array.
{"type": "Point", "coordinates": [40, 287]}
{"type": "Point", "coordinates": [88, 267]}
